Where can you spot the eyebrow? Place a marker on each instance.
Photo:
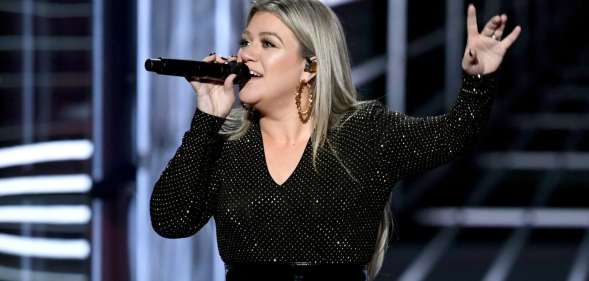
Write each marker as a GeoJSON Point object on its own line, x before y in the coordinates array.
{"type": "Point", "coordinates": [264, 33]}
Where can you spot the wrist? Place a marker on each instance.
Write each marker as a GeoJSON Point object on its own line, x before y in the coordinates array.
{"type": "Point", "coordinates": [478, 84]}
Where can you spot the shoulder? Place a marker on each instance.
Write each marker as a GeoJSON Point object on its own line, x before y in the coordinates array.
{"type": "Point", "coordinates": [364, 109]}
{"type": "Point", "coordinates": [369, 112]}
{"type": "Point", "coordinates": [361, 126]}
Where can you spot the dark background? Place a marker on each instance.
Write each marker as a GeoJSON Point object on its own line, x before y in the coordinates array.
{"type": "Point", "coordinates": [515, 208]}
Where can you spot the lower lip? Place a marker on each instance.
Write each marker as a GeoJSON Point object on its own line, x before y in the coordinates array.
{"type": "Point", "coordinates": [254, 78]}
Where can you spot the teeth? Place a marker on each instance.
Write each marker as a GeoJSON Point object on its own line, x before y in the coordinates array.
{"type": "Point", "coordinates": [255, 74]}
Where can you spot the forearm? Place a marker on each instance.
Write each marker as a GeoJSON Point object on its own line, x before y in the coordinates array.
{"type": "Point", "coordinates": [183, 197]}
{"type": "Point", "coordinates": [414, 144]}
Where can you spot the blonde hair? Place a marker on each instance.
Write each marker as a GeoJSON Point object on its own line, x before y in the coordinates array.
{"type": "Point", "coordinates": [320, 34]}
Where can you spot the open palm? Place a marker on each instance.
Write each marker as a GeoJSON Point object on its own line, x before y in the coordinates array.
{"type": "Point", "coordinates": [485, 50]}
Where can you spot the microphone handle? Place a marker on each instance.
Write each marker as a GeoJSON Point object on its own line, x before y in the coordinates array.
{"type": "Point", "coordinates": [204, 70]}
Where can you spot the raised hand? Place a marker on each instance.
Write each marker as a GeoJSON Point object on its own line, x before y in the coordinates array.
{"type": "Point", "coordinates": [485, 50]}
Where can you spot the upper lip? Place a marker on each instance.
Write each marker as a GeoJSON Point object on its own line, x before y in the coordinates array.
{"type": "Point", "coordinates": [255, 73]}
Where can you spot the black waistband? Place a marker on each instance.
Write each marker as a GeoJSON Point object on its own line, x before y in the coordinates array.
{"type": "Point", "coordinates": [294, 265]}
{"type": "Point", "coordinates": [294, 271]}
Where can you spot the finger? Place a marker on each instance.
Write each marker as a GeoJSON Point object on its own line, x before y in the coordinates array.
{"type": "Point", "coordinates": [219, 59]}
{"type": "Point", "coordinates": [228, 84]}
{"type": "Point", "coordinates": [230, 58]}
{"type": "Point", "coordinates": [491, 26]}
{"type": "Point", "coordinates": [508, 41]}
{"type": "Point", "coordinates": [210, 57]}
{"type": "Point", "coordinates": [499, 31]}
{"type": "Point", "coordinates": [471, 21]}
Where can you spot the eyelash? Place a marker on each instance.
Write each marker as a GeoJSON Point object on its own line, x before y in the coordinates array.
{"type": "Point", "coordinates": [243, 43]}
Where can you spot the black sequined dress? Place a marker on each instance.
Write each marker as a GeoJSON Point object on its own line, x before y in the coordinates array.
{"type": "Point", "coordinates": [318, 216]}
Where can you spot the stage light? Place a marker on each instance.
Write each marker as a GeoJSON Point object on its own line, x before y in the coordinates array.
{"type": "Point", "coordinates": [61, 214]}
{"type": "Point", "coordinates": [44, 247]}
{"type": "Point", "coordinates": [45, 152]}
{"type": "Point", "coordinates": [506, 217]}
{"type": "Point", "coordinates": [45, 184]}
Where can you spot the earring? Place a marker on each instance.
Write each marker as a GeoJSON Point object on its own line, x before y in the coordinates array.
{"type": "Point", "coordinates": [304, 115]}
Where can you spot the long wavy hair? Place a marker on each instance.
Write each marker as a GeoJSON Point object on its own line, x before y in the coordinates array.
{"type": "Point", "coordinates": [320, 34]}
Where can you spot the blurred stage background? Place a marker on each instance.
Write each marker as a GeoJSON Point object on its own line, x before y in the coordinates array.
{"type": "Point", "coordinates": [85, 131]}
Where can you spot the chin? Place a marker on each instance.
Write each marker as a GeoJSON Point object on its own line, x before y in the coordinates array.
{"type": "Point", "coordinates": [251, 93]}
{"type": "Point", "coordinates": [248, 97]}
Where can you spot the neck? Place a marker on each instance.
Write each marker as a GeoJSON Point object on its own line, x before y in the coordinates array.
{"type": "Point", "coordinates": [286, 129]}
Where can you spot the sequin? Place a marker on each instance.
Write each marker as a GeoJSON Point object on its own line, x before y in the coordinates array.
{"type": "Point", "coordinates": [316, 216]}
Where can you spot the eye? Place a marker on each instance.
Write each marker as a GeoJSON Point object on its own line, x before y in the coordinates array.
{"type": "Point", "coordinates": [243, 43]}
{"type": "Point", "coordinates": [267, 44]}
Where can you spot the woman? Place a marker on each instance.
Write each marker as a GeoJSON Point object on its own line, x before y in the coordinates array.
{"type": "Point", "coordinates": [298, 178]}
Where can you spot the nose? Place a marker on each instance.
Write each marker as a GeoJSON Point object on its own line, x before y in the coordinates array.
{"type": "Point", "coordinates": [247, 54]}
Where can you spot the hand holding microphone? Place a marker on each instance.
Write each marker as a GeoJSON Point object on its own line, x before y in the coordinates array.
{"type": "Point", "coordinates": [212, 79]}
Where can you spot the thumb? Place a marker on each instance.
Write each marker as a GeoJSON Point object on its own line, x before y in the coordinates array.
{"type": "Point", "coordinates": [228, 84]}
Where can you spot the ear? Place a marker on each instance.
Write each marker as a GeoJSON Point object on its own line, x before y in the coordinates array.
{"type": "Point", "coordinates": [310, 69]}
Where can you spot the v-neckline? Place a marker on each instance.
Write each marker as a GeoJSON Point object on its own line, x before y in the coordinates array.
{"type": "Point", "coordinates": [265, 162]}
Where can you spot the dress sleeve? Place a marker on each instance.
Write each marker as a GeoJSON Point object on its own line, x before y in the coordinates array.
{"type": "Point", "coordinates": [409, 145]}
{"type": "Point", "coordinates": [183, 198]}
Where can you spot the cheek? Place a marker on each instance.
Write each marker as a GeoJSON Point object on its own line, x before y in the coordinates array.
{"type": "Point", "coordinates": [284, 72]}
{"type": "Point", "coordinates": [281, 78]}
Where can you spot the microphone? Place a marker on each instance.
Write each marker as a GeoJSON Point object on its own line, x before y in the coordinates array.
{"type": "Point", "coordinates": [200, 69]}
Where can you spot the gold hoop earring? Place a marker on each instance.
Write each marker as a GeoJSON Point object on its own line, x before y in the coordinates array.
{"type": "Point", "coordinates": [304, 115]}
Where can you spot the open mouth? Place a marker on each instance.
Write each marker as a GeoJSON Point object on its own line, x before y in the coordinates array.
{"type": "Point", "coordinates": [254, 75]}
